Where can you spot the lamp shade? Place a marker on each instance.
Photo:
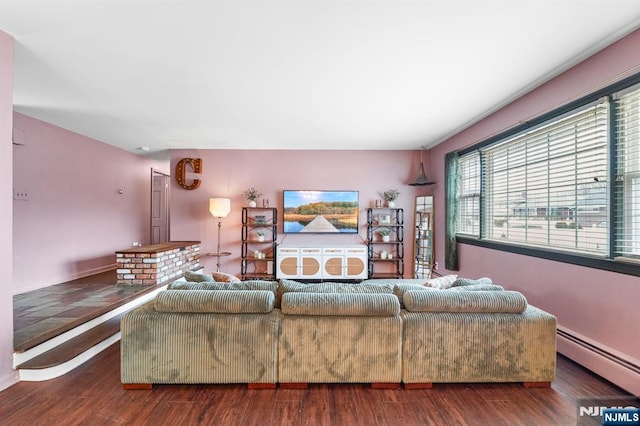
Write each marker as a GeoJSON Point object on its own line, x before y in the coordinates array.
{"type": "Point", "coordinates": [219, 207]}
{"type": "Point", "coordinates": [421, 179]}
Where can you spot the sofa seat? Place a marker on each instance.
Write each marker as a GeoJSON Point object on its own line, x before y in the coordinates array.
{"type": "Point", "coordinates": [479, 336]}
{"type": "Point", "coordinates": [340, 338]}
{"type": "Point", "coordinates": [201, 336]}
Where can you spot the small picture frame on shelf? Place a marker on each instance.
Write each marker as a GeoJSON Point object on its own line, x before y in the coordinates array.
{"type": "Point", "coordinates": [384, 219]}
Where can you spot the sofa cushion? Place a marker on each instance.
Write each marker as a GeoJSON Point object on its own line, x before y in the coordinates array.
{"type": "Point", "coordinates": [340, 304]}
{"type": "Point", "coordinates": [223, 277]}
{"type": "Point", "coordinates": [477, 287]}
{"type": "Point", "coordinates": [217, 302]}
{"type": "Point", "coordinates": [291, 286]}
{"type": "Point", "coordinates": [400, 289]}
{"type": "Point", "coordinates": [468, 281]}
{"type": "Point", "coordinates": [197, 277]}
{"type": "Point", "coordinates": [443, 282]}
{"type": "Point", "coordinates": [242, 285]}
{"type": "Point", "coordinates": [465, 301]}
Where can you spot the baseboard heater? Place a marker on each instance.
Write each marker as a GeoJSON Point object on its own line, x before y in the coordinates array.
{"type": "Point", "coordinates": [615, 367]}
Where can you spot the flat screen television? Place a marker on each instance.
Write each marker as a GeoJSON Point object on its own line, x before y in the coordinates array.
{"type": "Point", "coordinates": [320, 212]}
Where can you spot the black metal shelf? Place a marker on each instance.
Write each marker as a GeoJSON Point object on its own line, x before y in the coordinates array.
{"type": "Point", "coordinates": [394, 221]}
{"type": "Point", "coordinates": [253, 267]}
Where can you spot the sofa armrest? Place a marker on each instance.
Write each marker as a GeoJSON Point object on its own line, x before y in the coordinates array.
{"type": "Point", "coordinates": [340, 304]}
{"type": "Point", "coordinates": [465, 301]}
{"type": "Point", "coordinates": [219, 301]}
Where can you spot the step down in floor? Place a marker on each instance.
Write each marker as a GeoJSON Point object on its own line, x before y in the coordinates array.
{"type": "Point", "coordinates": [67, 351]}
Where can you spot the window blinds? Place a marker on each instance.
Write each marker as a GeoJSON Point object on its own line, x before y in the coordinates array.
{"type": "Point", "coordinates": [627, 173]}
{"type": "Point", "coordinates": [548, 186]}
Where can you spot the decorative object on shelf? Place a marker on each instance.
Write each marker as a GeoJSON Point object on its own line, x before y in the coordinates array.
{"type": "Point", "coordinates": [265, 202]}
{"type": "Point", "coordinates": [385, 233]}
{"type": "Point", "coordinates": [384, 219]}
{"type": "Point", "coordinates": [260, 236]}
{"type": "Point", "coordinates": [391, 195]}
{"type": "Point", "coordinates": [219, 208]}
{"type": "Point", "coordinates": [260, 219]}
{"type": "Point", "coordinates": [251, 194]}
{"type": "Point", "coordinates": [421, 179]}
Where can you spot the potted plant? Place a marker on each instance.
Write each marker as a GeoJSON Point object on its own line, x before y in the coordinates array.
{"type": "Point", "coordinates": [390, 196]}
{"type": "Point", "coordinates": [260, 235]}
{"type": "Point", "coordinates": [251, 194]}
{"type": "Point", "coordinates": [385, 233]}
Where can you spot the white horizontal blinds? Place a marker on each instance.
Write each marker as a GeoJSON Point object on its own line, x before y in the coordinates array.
{"type": "Point", "coordinates": [547, 187]}
{"type": "Point", "coordinates": [627, 184]}
{"type": "Point", "coordinates": [469, 194]}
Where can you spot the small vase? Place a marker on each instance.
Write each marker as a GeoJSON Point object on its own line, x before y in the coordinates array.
{"type": "Point", "coordinates": [385, 238]}
{"type": "Point", "coordinates": [260, 238]}
{"type": "Point", "coordinates": [391, 204]}
{"type": "Point", "coordinates": [252, 203]}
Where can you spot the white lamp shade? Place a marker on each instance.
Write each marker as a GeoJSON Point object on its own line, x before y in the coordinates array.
{"type": "Point", "coordinates": [219, 207]}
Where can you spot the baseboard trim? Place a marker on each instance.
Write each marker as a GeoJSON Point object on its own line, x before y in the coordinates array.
{"type": "Point", "coordinates": [619, 369]}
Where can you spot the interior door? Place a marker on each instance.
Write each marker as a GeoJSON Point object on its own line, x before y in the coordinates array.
{"type": "Point", "coordinates": [159, 207]}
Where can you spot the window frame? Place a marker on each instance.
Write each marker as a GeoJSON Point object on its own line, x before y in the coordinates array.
{"type": "Point", "coordinates": [611, 263]}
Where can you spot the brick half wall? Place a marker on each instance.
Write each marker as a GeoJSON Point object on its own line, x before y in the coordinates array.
{"type": "Point", "coordinates": [157, 264]}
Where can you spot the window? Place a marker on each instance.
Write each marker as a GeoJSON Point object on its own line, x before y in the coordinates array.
{"type": "Point", "coordinates": [627, 177]}
{"type": "Point", "coordinates": [568, 183]}
{"type": "Point", "coordinates": [469, 194]}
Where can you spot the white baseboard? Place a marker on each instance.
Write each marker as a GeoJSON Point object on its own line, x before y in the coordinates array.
{"type": "Point", "coordinates": [619, 369]}
{"type": "Point", "coordinates": [8, 380]}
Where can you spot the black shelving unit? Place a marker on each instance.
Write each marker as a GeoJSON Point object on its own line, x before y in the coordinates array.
{"type": "Point", "coordinates": [254, 220]}
{"type": "Point", "coordinates": [391, 265]}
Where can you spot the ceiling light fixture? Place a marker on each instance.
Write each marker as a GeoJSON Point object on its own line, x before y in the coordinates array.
{"type": "Point", "coordinates": [421, 179]}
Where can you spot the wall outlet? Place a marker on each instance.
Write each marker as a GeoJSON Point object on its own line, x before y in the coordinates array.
{"type": "Point", "coordinates": [20, 195]}
{"type": "Point", "coordinates": [435, 266]}
{"type": "Point", "coordinates": [136, 244]}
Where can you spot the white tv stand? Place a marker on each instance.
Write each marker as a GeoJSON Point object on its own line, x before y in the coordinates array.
{"type": "Point", "coordinates": [322, 261]}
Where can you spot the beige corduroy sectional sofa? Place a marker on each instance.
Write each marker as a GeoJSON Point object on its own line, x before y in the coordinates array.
{"type": "Point", "coordinates": [381, 332]}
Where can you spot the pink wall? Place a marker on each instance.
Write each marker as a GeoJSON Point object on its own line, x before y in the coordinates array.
{"type": "Point", "coordinates": [74, 219]}
{"type": "Point", "coordinates": [227, 173]}
{"type": "Point", "coordinates": [599, 305]}
{"type": "Point", "coordinates": [7, 374]}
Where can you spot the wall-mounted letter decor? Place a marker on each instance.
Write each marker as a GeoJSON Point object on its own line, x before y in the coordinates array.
{"type": "Point", "coordinates": [196, 165]}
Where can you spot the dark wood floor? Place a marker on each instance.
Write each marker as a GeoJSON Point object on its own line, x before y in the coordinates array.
{"type": "Point", "coordinates": [92, 394]}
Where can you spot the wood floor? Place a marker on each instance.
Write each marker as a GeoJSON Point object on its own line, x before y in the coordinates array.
{"type": "Point", "coordinates": [93, 394]}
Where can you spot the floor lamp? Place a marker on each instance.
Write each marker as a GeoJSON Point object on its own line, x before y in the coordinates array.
{"type": "Point", "coordinates": [219, 208]}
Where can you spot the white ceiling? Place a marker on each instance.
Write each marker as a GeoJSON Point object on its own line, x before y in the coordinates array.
{"type": "Point", "coordinates": [292, 74]}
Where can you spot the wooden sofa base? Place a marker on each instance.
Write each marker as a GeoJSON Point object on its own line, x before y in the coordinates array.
{"type": "Point", "coordinates": [418, 385]}
{"type": "Point", "coordinates": [430, 385]}
{"type": "Point", "coordinates": [148, 386]}
{"type": "Point", "coordinates": [294, 385]}
{"type": "Point", "coordinates": [536, 384]}
{"type": "Point", "coordinates": [137, 386]}
{"type": "Point", "coordinates": [306, 385]}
